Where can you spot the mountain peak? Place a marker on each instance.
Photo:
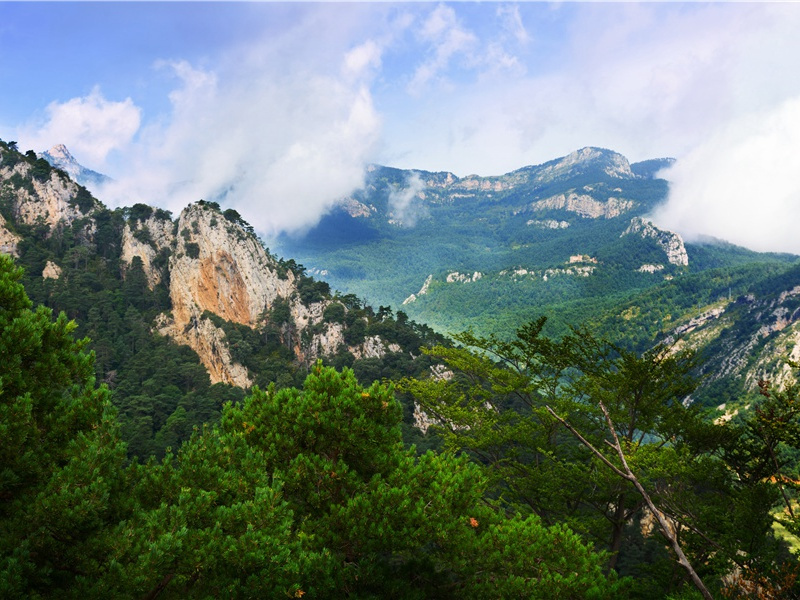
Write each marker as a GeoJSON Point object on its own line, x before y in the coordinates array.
{"type": "Point", "coordinates": [612, 163]}
{"type": "Point", "coordinates": [61, 158]}
{"type": "Point", "coordinates": [61, 153]}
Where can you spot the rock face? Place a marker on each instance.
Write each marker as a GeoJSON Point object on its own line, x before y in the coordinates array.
{"type": "Point", "coordinates": [60, 157]}
{"type": "Point", "coordinates": [584, 205]}
{"type": "Point", "coordinates": [8, 239]}
{"type": "Point", "coordinates": [463, 277]}
{"type": "Point", "coordinates": [670, 242]}
{"type": "Point", "coordinates": [39, 196]}
{"type": "Point", "coordinates": [50, 202]}
{"type": "Point", "coordinates": [611, 163]}
{"type": "Point", "coordinates": [146, 239]}
{"type": "Point", "coordinates": [219, 267]}
{"type": "Point", "coordinates": [51, 270]}
{"type": "Point", "coordinates": [422, 291]}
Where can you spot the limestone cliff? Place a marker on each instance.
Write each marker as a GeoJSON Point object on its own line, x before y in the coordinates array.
{"type": "Point", "coordinates": [611, 163]}
{"type": "Point", "coordinates": [146, 239]}
{"type": "Point", "coordinates": [671, 243]}
{"type": "Point", "coordinates": [8, 239]}
{"type": "Point", "coordinates": [584, 205]}
{"type": "Point", "coordinates": [36, 198]}
{"type": "Point", "coordinates": [219, 267]}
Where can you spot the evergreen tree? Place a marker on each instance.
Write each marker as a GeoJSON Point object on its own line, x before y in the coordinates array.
{"type": "Point", "coordinates": [310, 492]}
{"type": "Point", "coordinates": [61, 460]}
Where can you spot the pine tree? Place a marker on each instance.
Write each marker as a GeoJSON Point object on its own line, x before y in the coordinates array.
{"type": "Point", "coordinates": [60, 459]}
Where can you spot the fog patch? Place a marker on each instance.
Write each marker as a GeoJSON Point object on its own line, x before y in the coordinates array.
{"type": "Point", "coordinates": [406, 203]}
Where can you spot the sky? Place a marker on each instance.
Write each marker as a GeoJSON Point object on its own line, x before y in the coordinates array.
{"type": "Point", "coordinates": [275, 108]}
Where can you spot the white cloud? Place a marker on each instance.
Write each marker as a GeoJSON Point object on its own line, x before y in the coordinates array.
{"type": "Point", "coordinates": [91, 126]}
{"type": "Point", "coordinates": [512, 23]}
{"type": "Point", "coordinates": [362, 59]}
{"type": "Point", "coordinates": [280, 144]}
{"type": "Point", "coordinates": [446, 38]}
{"type": "Point", "coordinates": [741, 184]}
{"type": "Point", "coordinates": [406, 203]}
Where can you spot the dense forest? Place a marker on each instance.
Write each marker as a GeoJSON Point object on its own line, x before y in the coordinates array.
{"type": "Point", "coordinates": [569, 469]}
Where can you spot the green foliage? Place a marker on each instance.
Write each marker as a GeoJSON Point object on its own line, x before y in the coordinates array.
{"type": "Point", "coordinates": [192, 250]}
{"type": "Point", "coordinates": [310, 492]}
{"type": "Point", "coordinates": [334, 313]}
{"type": "Point", "coordinates": [495, 407]}
{"type": "Point", "coordinates": [139, 212]}
{"type": "Point", "coordinates": [60, 460]}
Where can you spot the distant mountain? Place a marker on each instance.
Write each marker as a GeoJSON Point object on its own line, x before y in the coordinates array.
{"type": "Point", "coordinates": [492, 252]}
{"type": "Point", "coordinates": [61, 158]}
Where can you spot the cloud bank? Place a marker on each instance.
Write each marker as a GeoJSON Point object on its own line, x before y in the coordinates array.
{"type": "Point", "coordinates": [742, 184]}
{"type": "Point", "coordinates": [280, 126]}
{"type": "Point", "coordinates": [90, 126]}
{"type": "Point", "coordinates": [279, 148]}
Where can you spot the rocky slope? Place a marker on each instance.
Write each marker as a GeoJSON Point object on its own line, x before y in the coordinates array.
{"type": "Point", "coordinates": [208, 264]}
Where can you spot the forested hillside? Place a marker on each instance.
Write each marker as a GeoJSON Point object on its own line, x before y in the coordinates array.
{"type": "Point", "coordinates": [232, 427]}
{"type": "Point", "coordinates": [185, 314]}
{"type": "Point", "coordinates": [569, 238]}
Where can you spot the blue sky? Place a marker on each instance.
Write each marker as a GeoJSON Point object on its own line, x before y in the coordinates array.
{"type": "Point", "coordinates": [275, 108]}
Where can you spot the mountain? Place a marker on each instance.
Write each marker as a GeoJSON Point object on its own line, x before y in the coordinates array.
{"type": "Point", "coordinates": [61, 158]}
{"type": "Point", "coordinates": [185, 313]}
{"type": "Point", "coordinates": [491, 252]}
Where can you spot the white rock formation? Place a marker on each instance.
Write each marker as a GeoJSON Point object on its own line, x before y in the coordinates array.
{"type": "Point", "coordinates": [161, 235]}
{"type": "Point", "coordinates": [50, 201]}
{"type": "Point", "coordinates": [648, 268]}
{"type": "Point", "coordinates": [371, 347]}
{"type": "Point", "coordinates": [619, 167]}
{"type": "Point", "coordinates": [422, 291]}
{"type": "Point", "coordinates": [548, 224]}
{"type": "Point", "coordinates": [455, 276]}
{"type": "Point", "coordinates": [8, 239]}
{"type": "Point", "coordinates": [217, 266]}
{"type": "Point", "coordinates": [51, 270]}
{"type": "Point", "coordinates": [584, 205]}
{"type": "Point", "coordinates": [671, 243]}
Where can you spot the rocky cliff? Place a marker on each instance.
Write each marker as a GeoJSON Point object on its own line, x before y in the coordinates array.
{"type": "Point", "coordinates": [38, 194]}
{"type": "Point", "coordinates": [584, 205]}
{"type": "Point", "coordinates": [671, 243]}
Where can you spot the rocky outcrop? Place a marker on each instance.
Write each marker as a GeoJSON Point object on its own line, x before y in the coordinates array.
{"type": "Point", "coordinates": [612, 164]}
{"type": "Point", "coordinates": [219, 267]}
{"type": "Point", "coordinates": [372, 347]}
{"type": "Point", "coordinates": [146, 239]}
{"type": "Point", "coordinates": [51, 270]}
{"type": "Point", "coordinates": [547, 224]}
{"type": "Point", "coordinates": [455, 276]}
{"type": "Point", "coordinates": [422, 291]}
{"type": "Point", "coordinates": [545, 274]}
{"type": "Point", "coordinates": [671, 243]}
{"type": "Point", "coordinates": [584, 205]}
{"type": "Point", "coordinates": [356, 209]}
{"type": "Point", "coordinates": [8, 239]}
{"type": "Point", "coordinates": [649, 268]}
{"type": "Point", "coordinates": [60, 157]}
{"type": "Point", "coordinates": [474, 183]}
{"type": "Point", "coordinates": [209, 341]}
{"type": "Point", "coordinates": [49, 202]}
